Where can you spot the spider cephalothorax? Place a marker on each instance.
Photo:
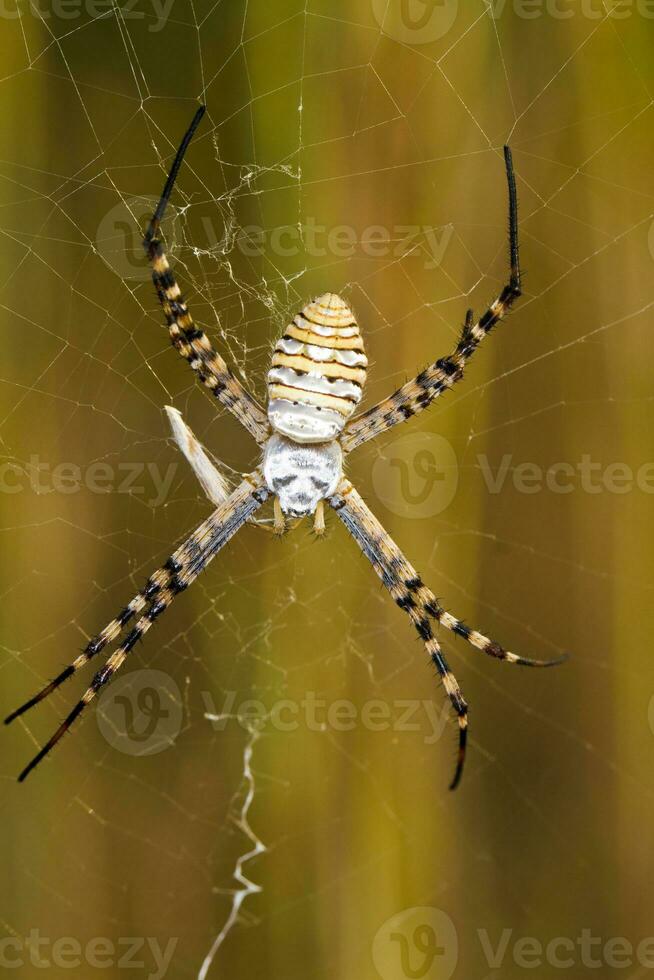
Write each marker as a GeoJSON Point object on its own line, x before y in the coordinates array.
{"type": "Point", "coordinates": [301, 475]}
{"type": "Point", "coordinates": [315, 384]}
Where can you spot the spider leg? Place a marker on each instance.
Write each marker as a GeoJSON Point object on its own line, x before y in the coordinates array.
{"type": "Point", "coordinates": [473, 636]}
{"type": "Point", "coordinates": [410, 592]}
{"type": "Point", "coordinates": [443, 374]}
{"type": "Point", "coordinates": [390, 562]}
{"type": "Point", "coordinates": [376, 546]}
{"type": "Point", "coordinates": [181, 569]}
{"type": "Point", "coordinates": [103, 676]}
{"type": "Point", "coordinates": [190, 341]}
{"type": "Point", "coordinates": [215, 485]}
{"type": "Point", "coordinates": [97, 644]}
{"type": "Point", "coordinates": [212, 481]}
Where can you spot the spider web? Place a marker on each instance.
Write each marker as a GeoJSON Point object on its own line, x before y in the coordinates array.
{"type": "Point", "coordinates": [271, 822]}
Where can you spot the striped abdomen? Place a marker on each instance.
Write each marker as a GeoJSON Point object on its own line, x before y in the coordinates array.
{"type": "Point", "coordinates": [318, 372]}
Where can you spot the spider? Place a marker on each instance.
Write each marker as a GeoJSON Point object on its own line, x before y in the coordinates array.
{"type": "Point", "coordinates": [314, 385]}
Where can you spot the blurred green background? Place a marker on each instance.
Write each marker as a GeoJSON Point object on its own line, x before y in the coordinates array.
{"type": "Point", "coordinates": [353, 147]}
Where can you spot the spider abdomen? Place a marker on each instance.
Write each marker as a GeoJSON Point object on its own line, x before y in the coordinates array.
{"type": "Point", "coordinates": [318, 372]}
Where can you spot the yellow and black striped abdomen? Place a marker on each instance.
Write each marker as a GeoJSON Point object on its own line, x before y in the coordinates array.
{"type": "Point", "coordinates": [318, 372]}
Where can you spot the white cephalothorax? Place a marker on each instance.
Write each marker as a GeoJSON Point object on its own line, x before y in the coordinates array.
{"type": "Point", "coordinates": [300, 475]}
{"type": "Point", "coordinates": [314, 386]}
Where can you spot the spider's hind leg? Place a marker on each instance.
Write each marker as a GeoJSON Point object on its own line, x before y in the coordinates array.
{"type": "Point", "coordinates": [175, 576]}
{"type": "Point", "coordinates": [420, 604]}
{"type": "Point", "coordinates": [142, 600]}
{"type": "Point", "coordinates": [393, 569]}
{"type": "Point", "coordinates": [476, 639]}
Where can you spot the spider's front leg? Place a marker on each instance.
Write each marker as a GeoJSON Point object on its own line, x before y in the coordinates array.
{"type": "Point", "coordinates": [212, 481]}
{"type": "Point", "coordinates": [443, 374]}
{"type": "Point", "coordinates": [188, 339]}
